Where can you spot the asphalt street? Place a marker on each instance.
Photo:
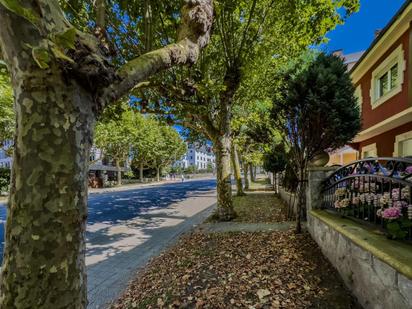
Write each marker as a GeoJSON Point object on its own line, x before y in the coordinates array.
{"type": "Point", "coordinates": [113, 207]}
{"type": "Point", "coordinates": [126, 228]}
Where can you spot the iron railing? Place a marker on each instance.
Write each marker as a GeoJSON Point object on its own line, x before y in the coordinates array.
{"type": "Point", "coordinates": [377, 191]}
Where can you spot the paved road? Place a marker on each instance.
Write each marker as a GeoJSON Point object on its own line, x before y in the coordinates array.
{"type": "Point", "coordinates": [125, 229]}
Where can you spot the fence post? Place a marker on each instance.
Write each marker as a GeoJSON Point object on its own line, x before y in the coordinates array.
{"type": "Point", "coordinates": [316, 176]}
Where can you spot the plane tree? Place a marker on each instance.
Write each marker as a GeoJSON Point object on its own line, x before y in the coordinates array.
{"type": "Point", "coordinates": [252, 134]}
{"type": "Point", "coordinates": [68, 61]}
{"type": "Point", "coordinates": [169, 148]}
{"type": "Point", "coordinates": [114, 138]}
{"type": "Point", "coordinates": [144, 143]}
{"type": "Point", "coordinates": [202, 97]}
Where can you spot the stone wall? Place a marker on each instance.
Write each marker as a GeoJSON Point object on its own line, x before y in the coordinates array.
{"type": "Point", "coordinates": [288, 198]}
{"type": "Point", "coordinates": [372, 281]}
{"type": "Point", "coordinates": [378, 271]}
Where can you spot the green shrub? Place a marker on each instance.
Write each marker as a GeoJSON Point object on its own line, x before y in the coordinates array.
{"type": "Point", "coordinates": [4, 179]}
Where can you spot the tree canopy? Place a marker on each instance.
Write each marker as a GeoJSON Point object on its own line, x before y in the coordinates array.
{"type": "Point", "coordinates": [315, 109]}
{"type": "Point", "coordinates": [169, 148]}
{"type": "Point", "coordinates": [68, 61]}
{"type": "Point", "coordinates": [7, 122]}
{"type": "Point", "coordinates": [249, 36]}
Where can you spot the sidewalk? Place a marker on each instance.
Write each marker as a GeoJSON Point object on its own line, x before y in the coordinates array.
{"type": "Point", "coordinates": [261, 264]}
{"type": "Point", "coordinates": [117, 251]}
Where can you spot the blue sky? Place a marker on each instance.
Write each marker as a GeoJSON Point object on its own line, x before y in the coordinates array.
{"type": "Point", "coordinates": [358, 31]}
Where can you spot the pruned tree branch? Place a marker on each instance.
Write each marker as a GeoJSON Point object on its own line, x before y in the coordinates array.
{"type": "Point", "coordinates": [194, 34]}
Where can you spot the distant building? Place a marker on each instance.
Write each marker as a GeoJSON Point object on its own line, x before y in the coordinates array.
{"type": "Point", "coordinates": [101, 169]}
{"type": "Point", "coordinates": [349, 59]}
{"type": "Point", "coordinates": [198, 156]}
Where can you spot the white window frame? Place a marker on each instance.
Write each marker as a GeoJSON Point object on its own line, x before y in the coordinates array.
{"type": "Point", "coordinates": [398, 140]}
{"type": "Point", "coordinates": [396, 57]}
{"type": "Point", "coordinates": [368, 148]}
{"type": "Point", "coordinates": [358, 95]}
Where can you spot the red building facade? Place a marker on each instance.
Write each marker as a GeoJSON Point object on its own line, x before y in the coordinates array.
{"type": "Point", "coordinates": [383, 81]}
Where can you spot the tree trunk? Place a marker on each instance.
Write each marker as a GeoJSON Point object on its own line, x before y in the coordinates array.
{"type": "Point", "coordinates": [141, 172]}
{"type": "Point", "coordinates": [119, 173]}
{"type": "Point", "coordinates": [56, 107]}
{"type": "Point", "coordinates": [301, 200]}
{"type": "Point", "coordinates": [224, 186]}
{"type": "Point", "coordinates": [247, 176]}
{"type": "Point", "coordinates": [236, 168]}
{"type": "Point", "coordinates": [158, 173]}
{"type": "Point", "coordinates": [44, 255]}
{"type": "Point", "coordinates": [252, 176]}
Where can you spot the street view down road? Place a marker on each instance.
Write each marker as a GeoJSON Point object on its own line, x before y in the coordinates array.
{"type": "Point", "coordinates": [126, 228]}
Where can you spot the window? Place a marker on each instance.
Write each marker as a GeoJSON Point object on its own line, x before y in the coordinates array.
{"type": "Point", "coordinates": [388, 81]}
{"type": "Point", "coordinates": [387, 78]}
{"type": "Point", "coordinates": [358, 95]}
{"type": "Point", "coordinates": [369, 151]}
{"type": "Point", "coordinates": [405, 148]}
{"type": "Point", "coordinates": [403, 145]}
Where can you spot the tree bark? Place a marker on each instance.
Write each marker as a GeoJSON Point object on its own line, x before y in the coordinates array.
{"type": "Point", "coordinates": [224, 187]}
{"type": "Point", "coordinates": [44, 256]}
{"type": "Point", "coordinates": [158, 173]}
{"type": "Point", "coordinates": [301, 199]}
{"type": "Point", "coordinates": [236, 169]}
{"type": "Point", "coordinates": [252, 176]}
{"type": "Point", "coordinates": [119, 173]}
{"type": "Point", "coordinates": [247, 176]}
{"type": "Point", "coordinates": [141, 172]}
{"type": "Point", "coordinates": [56, 108]}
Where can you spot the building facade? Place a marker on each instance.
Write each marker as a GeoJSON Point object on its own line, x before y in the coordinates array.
{"type": "Point", "coordinates": [199, 156]}
{"type": "Point", "coordinates": [101, 170]}
{"type": "Point", "coordinates": [383, 78]}
{"type": "Point", "coordinates": [347, 153]}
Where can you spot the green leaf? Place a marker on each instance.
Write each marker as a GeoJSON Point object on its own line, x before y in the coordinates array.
{"type": "Point", "coordinates": [395, 230]}
{"type": "Point", "coordinates": [41, 56]}
{"type": "Point", "coordinates": [406, 223]}
{"type": "Point", "coordinates": [60, 55]}
{"type": "Point", "coordinates": [66, 39]}
{"type": "Point", "coordinates": [15, 7]}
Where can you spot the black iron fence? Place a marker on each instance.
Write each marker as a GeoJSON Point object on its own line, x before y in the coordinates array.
{"type": "Point", "coordinates": [376, 191]}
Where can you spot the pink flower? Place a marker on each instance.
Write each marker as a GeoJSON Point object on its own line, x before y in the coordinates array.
{"type": "Point", "coordinates": [400, 204]}
{"type": "Point", "coordinates": [395, 194]}
{"type": "Point", "coordinates": [391, 213]}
